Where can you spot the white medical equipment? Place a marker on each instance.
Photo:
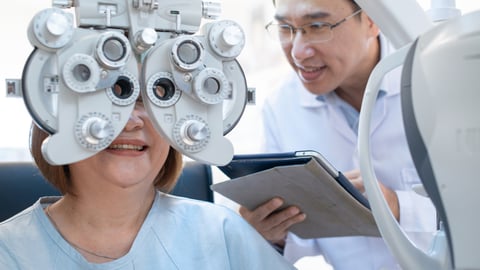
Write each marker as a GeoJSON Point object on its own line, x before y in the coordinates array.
{"type": "Point", "coordinates": [440, 94]}
{"type": "Point", "coordinates": [82, 80]}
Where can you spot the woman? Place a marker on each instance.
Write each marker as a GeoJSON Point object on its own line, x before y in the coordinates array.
{"type": "Point", "coordinates": [113, 216]}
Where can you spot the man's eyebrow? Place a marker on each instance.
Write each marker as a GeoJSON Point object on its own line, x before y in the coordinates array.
{"type": "Point", "coordinates": [308, 16]}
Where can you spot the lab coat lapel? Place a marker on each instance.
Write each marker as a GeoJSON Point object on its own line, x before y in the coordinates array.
{"type": "Point", "coordinates": [379, 114]}
{"type": "Point", "coordinates": [339, 122]}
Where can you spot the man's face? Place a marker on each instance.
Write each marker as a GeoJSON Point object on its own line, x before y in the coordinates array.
{"type": "Point", "coordinates": [338, 62]}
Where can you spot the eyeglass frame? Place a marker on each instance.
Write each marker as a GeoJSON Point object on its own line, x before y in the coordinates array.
{"type": "Point", "coordinates": [294, 30]}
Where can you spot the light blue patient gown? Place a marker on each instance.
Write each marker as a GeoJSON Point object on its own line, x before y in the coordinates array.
{"type": "Point", "coordinates": [178, 233]}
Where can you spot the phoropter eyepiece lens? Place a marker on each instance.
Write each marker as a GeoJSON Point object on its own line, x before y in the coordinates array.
{"type": "Point", "coordinates": [164, 89]}
{"type": "Point", "coordinates": [81, 73]}
{"type": "Point", "coordinates": [161, 90]}
{"type": "Point", "coordinates": [211, 86]}
{"type": "Point", "coordinates": [123, 88]}
{"type": "Point", "coordinates": [114, 49]}
{"type": "Point", "coordinates": [188, 52]}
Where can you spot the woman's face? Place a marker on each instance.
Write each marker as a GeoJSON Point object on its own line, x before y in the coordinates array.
{"type": "Point", "coordinates": [134, 158]}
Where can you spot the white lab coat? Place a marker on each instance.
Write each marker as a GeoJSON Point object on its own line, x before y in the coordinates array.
{"type": "Point", "coordinates": [294, 119]}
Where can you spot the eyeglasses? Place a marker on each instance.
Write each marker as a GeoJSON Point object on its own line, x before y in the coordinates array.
{"type": "Point", "coordinates": [314, 32]}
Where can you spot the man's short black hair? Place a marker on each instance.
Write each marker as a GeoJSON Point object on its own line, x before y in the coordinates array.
{"type": "Point", "coordinates": [354, 4]}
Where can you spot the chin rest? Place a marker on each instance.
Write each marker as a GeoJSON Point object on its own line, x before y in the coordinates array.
{"type": "Point", "coordinates": [21, 184]}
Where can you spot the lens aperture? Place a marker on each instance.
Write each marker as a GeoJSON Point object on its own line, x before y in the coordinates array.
{"type": "Point", "coordinates": [164, 89]}
{"type": "Point", "coordinates": [81, 73]}
{"type": "Point", "coordinates": [123, 88]}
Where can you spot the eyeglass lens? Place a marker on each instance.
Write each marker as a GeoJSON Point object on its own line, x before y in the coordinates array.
{"type": "Point", "coordinates": [313, 32]}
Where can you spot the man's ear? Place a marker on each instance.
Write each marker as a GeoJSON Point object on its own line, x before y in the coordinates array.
{"type": "Point", "coordinates": [372, 27]}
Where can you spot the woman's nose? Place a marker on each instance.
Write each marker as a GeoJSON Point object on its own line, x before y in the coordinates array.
{"type": "Point", "coordinates": [301, 47]}
{"type": "Point", "coordinates": [136, 120]}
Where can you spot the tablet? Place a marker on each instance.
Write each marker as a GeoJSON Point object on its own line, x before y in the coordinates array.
{"type": "Point", "coordinates": [333, 206]}
{"type": "Point", "coordinates": [246, 164]}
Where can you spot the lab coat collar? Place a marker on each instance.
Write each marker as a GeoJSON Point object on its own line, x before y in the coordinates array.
{"type": "Point", "coordinates": [391, 81]}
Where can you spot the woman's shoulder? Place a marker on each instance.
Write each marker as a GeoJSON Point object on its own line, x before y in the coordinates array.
{"type": "Point", "coordinates": [183, 215]}
{"type": "Point", "coordinates": [20, 219]}
{"type": "Point", "coordinates": [25, 221]}
{"type": "Point", "coordinates": [178, 203]}
{"type": "Point", "coordinates": [195, 210]}
{"type": "Point", "coordinates": [19, 232]}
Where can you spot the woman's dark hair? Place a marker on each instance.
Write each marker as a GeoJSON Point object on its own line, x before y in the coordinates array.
{"type": "Point", "coordinates": [59, 176]}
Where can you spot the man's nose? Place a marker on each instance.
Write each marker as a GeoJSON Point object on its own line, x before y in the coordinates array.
{"type": "Point", "coordinates": [301, 47]}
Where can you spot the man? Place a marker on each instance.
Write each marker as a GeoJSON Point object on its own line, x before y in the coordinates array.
{"type": "Point", "coordinates": [332, 47]}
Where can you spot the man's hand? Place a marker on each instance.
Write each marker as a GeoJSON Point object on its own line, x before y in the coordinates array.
{"type": "Point", "coordinates": [356, 179]}
{"type": "Point", "coordinates": [272, 224]}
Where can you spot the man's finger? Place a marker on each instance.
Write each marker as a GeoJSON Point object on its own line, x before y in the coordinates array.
{"type": "Point", "coordinates": [261, 212]}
